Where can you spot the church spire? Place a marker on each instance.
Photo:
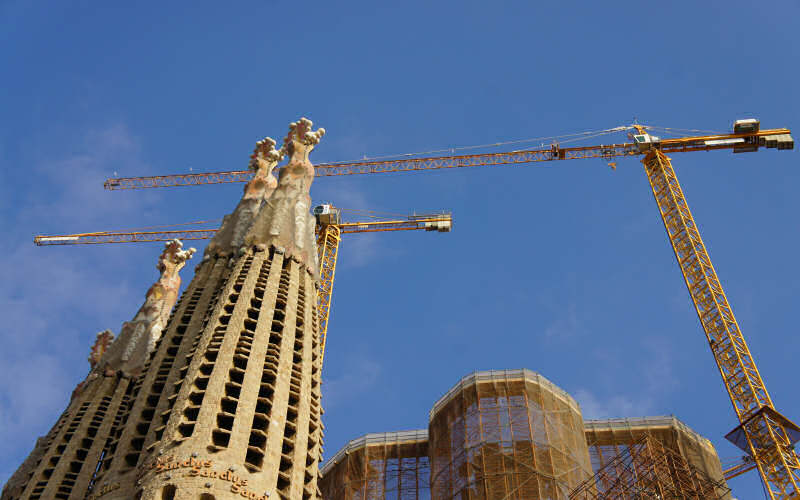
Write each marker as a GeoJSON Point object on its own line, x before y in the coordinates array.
{"type": "Point", "coordinates": [137, 338]}
{"type": "Point", "coordinates": [285, 221]}
{"type": "Point", "coordinates": [230, 236]}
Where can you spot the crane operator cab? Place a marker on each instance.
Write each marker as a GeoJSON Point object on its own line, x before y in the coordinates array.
{"type": "Point", "coordinates": [327, 215]}
{"type": "Point", "coordinates": [645, 141]}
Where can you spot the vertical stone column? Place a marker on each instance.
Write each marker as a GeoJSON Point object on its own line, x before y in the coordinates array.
{"type": "Point", "coordinates": [152, 393]}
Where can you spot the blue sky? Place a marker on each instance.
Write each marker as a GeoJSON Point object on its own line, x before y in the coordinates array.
{"type": "Point", "coordinates": [563, 268]}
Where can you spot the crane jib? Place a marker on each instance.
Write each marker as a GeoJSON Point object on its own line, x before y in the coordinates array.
{"type": "Point", "coordinates": [770, 138]}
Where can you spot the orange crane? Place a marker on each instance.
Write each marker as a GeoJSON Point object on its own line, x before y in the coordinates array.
{"type": "Point", "coordinates": [329, 230]}
{"type": "Point", "coordinates": [763, 433]}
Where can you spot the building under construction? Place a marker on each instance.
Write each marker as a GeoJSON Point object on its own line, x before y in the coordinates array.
{"type": "Point", "coordinates": [513, 434]}
{"type": "Point", "coordinates": [222, 398]}
{"type": "Point", "coordinates": [219, 397]}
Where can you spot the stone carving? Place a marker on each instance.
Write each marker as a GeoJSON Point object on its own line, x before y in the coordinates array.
{"type": "Point", "coordinates": [101, 344]}
{"type": "Point", "coordinates": [285, 221]}
{"type": "Point", "coordinates": [230, 236]}
{"type": "Point", "coordinates": [137, 338]}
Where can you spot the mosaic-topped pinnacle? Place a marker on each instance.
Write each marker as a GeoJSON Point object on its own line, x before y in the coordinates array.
{"type": "Point", "coordinates": [137, 338]}
{"type": "Point", "coordinates": [174, 257]}
{"type": "Point", "coordinates": [265, 152]}
{"type": "Point", "coordinates": [285, 221]}
{"type": "Point", "coordinates": [229, 238]}
{"type": "Point", "coordinates": [300, 133]}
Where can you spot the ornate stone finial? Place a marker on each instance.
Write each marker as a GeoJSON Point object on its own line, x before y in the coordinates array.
{"type": "Point", "coordinates": [266, 152]}
{"type": "Point", "coordinates": [173, 258]}
{"type": "Point", "coordinates": [100, 346]}
{"type": "Point", "coordinates": [137, 338]}
{"type": "Point", "coordinates": [300, 133]}
{"type": "Point", "coordinates": [285, 221]}
{"type": "Point", "coordinates": [230, 236]}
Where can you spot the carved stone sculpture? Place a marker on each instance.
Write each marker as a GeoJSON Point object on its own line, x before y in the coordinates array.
{"type": "Point", "coordinates": [230, 236]}
{"type": "Point", "coordinates": [138, 337]}
{"type": "Point", "coordinates": [285, 221]}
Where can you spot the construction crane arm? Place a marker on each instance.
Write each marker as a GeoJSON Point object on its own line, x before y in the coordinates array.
{"type": "Point", "coordinates": [123, 237]}
{"type": "Point", "coordinates": [328, 239]}
{"type": "Point", "coordinates": [437, 222]}
{"type": "Point", "coordinates": [746, 464]}
{"type": "Point", "coordinates": [735, 141]}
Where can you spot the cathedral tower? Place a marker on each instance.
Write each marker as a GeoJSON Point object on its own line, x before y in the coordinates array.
{"type": "Point", "coordinates": [228, 405]}
{"type": "Point", "coordinates": [63, 463]}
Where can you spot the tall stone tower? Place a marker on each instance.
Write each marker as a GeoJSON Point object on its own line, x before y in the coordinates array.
{"type": "Point", "coordinates": [228, 405]}
{"type": "Point", "coordinates": [63, 463]}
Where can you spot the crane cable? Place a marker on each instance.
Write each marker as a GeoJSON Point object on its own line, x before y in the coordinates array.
{"type": "Point", "coordinates": [563, 138]}
{"type": "Point", "coordinates": [140, 229]}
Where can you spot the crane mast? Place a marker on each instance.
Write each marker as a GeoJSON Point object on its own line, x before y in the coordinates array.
{"type": "Point", "coordinates": [763, 432]}
{"type": "Point", "coordinates": [328, 240]}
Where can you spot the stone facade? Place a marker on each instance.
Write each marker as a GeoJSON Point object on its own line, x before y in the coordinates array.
{"type": "Point", "coordinates": [228, 405]}
{"type": "Point", "coordinates": [64, 462]}
{"type": "Point", "coordinates": [222, 399]}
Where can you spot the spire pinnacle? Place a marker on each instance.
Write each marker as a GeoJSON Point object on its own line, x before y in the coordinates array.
{"type": "Point", "coordinates": [300, 137]}
{"type": "Point", "coordinates": [285, 221]}
{"type": "Point", "coordinates": [266, 152]}
{"type": "Point", "coordinates": [235, 225]}
{"type": "Point", "coordinates": [138, 337]}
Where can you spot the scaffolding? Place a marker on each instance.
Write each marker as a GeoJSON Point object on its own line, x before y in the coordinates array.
{"type": "Point", "coordinates": [506, 434]}
{"type": "Point", "coordinates": [648, 469]}
{"type": "Point", "coordinates": [608, 438]}
{"type": "Point", "coordinates": [387, 466]}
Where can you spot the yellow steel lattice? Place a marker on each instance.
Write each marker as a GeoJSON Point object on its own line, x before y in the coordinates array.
{"type": "Point", "coordinates": [766, 435]}
{"type": "Point", "coordinates": [328, 247]}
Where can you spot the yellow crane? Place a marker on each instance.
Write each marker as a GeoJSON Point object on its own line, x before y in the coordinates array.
{"type": "Point", "coordinates": [763, 433]}
{"type": "Point", "coordinates": [329, 231]}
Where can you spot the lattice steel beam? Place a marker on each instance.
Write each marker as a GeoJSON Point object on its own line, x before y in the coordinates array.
{"type": "Point", "coordinates": [767, 438]}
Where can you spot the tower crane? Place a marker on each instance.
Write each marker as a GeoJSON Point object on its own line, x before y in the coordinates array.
{"type": "Point", "coordinates": [329, 231]}
{"type": "Point", "coordinates": [763, 433]}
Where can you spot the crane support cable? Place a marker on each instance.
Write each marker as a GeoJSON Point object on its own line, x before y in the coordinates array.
{"type": "Point", "coordinates": [554, 152]}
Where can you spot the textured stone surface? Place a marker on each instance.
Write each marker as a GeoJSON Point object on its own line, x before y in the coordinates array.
{"type": "Point", "coordinates": [229, 403]}
{"type": "Point", "coordinates": [230, 236]}
{"type": "Point", "coordinates": [224, 400]}
{"type": "Point", "coordinates": [138, 337]}
{"type": "Point", "coordinates": [101, 345]}
{"type": "Point", "coordinates": [63, 463]}
{"type": "Point", "coordinates": [285, 221]}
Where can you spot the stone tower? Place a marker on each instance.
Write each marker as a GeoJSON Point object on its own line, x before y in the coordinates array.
{"type": "Point", "coordinates": [63, 463]}
{"type": "Point", "coordinates": [228, 405]}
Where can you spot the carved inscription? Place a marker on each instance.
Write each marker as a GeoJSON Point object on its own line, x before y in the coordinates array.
{"type": "Point", "coordinates": [199, 467]}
